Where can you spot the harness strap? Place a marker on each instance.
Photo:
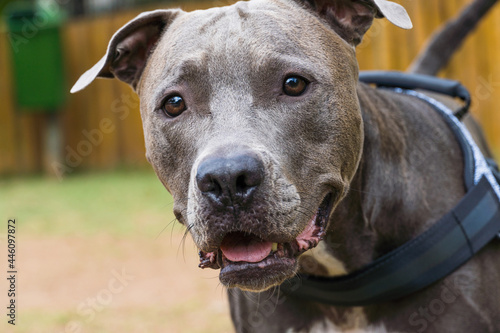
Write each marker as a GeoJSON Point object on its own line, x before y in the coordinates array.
{"type": "Point", "coordinates": [418, 81]}
{"type": "Point", "coordinates": [444, 247]}
{"type": "Point", "coordinates": [475, 164]}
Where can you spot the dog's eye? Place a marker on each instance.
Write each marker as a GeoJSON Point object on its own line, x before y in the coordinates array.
{"type": "Point", "coordinates": [295, 85]}
{"type": "Point", "coordinates": [174, 106]}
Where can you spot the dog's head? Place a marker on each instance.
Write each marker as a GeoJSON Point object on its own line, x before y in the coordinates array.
{"type": "Point", "coordinates": [251, 121]}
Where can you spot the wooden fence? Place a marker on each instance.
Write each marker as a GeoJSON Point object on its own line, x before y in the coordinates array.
{"type": "Point", "coordinates": [101, 126]}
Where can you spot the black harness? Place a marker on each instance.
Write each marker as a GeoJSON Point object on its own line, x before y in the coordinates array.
{"type": "Point", "coordinates": [444, 247]}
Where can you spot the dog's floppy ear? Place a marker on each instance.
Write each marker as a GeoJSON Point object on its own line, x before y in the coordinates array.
{"type": "Point", "coordinates": [129, 49]}
{"type": "Point", "coordinates": [352, 18]}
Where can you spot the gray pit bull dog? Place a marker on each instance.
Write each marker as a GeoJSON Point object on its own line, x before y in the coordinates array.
{"type": "Point", "coordinates": [280, 161]}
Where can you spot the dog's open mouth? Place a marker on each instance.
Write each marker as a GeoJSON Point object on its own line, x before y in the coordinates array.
{"type": "Point", "coordinates": [246, 258]}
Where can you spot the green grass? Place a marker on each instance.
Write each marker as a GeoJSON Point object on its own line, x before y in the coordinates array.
{"type": "Point", "coordinates": [134, 319]}
{"type": "Point", "coordinates": [118, 202]}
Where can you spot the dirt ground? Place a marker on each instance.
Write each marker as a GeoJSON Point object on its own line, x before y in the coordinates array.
{"type": "Point", "coordinates": [104, 284]}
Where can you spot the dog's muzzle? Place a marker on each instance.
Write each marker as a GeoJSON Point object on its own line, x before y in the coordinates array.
{"type": "Point", "coordinates": [236, 211]}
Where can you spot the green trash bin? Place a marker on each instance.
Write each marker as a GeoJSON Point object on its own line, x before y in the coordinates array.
{"type": "Point", "coordinates": [37, 60]}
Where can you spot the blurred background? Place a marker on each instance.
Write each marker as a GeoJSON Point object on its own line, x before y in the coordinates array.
{"type": "Point", "coordinates": [98, 246]}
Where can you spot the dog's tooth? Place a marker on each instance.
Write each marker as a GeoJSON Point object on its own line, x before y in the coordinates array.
{"type": "Point", "coordinates": [274, 247]}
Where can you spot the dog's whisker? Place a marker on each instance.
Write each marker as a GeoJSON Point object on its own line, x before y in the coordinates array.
{"type": "Point", "coordinates": [172, 222]}
{"type": "Point", "coordinates": [222, 290]}
{"type": "Point", "coordinates": [278, 294]}
{"type": "Point", "coordinates": [172, 230]}
{"type": "Point", "coordinates": [183, 241]}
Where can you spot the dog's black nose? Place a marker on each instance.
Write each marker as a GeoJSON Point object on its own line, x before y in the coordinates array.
{"type": "Point", "coordinates": [230, 179]}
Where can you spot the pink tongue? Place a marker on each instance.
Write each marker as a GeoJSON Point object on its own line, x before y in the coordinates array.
{"type": "Point", "coordinates": [238, 247]}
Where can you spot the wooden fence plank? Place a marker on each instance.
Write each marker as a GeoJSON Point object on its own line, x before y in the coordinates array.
{"type": "Point", "coordinates": [126, 109]}
{"type": "Point", "coordinates": [75, 119]}
{"type": "Point", "coordinates": [489, 75]}
{"type": "Point", "coordinates": [493, 129]}
{"type": "Point", "coordinates": [105, 126]}
{"type": "Point", "coordinates": [8, 163]}
{"type": "Point", "coordinates": [25, 127]}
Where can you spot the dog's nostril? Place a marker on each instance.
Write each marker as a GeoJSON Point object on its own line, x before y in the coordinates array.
{"type": "Point", "coordinates": [230, 177]}
{"type": "Point", "coordinates": [206, 183]}
{"type": "Point", "coordinates": [214, 187]}
{"type": "Point", "coordinates": [241, 183]}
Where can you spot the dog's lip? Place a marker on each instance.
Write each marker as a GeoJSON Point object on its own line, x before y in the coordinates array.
{"type": "Point", "coordinates": [309, 238]}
